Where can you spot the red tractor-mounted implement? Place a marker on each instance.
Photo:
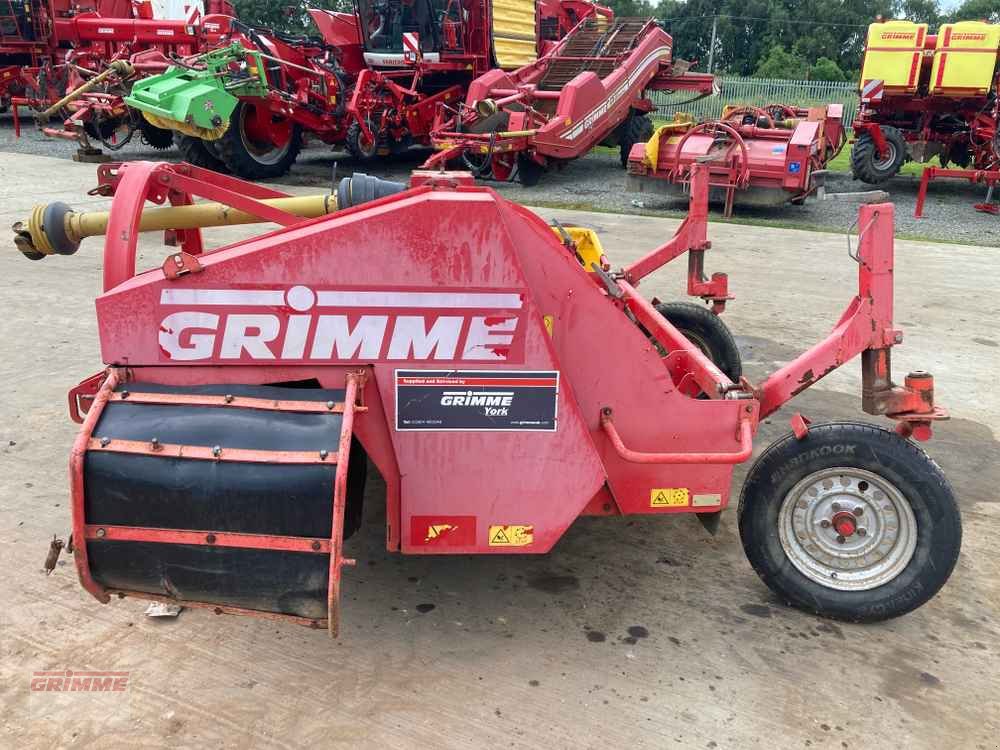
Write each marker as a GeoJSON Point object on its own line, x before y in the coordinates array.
{"type": "Point", "coordinates": [372, 83]}
{"type": "Point", "coordinates": [929, 95]}
{"type": "Point", "coordinates": [587, 90]}
{"type": "Point", "coordinates": [88, 59]}
{"type": "Point", "coordinates": [419, 61]}
{"type": "Point", "coordinates": [499, 377]}
{"type": "Point", "coordinates": [761, 156]}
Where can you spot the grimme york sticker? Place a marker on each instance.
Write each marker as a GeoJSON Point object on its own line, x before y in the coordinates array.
{"type": "Point", "coordinates": [475, 400]}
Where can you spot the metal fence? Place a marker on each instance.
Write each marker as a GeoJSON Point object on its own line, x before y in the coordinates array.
{"type": "Point", "coordinates": [758, 92]}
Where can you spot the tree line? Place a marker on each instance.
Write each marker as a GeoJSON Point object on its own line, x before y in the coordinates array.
{"type": "Point", "coordinates": [796, 39]}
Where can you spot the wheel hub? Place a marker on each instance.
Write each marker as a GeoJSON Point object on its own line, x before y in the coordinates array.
{"type": "Point", "coordinates": [844, 523]}
{"type": "Point", "coordinates": [847, 529]}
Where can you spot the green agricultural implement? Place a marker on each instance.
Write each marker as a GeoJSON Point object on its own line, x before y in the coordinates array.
{"type": "Point", "coordinates": [198, 98]}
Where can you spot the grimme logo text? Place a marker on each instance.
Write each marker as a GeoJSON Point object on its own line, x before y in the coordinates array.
{"type": "Point", "coordinates": [493, 403]}
{"type": "Point", "coordinates": [68, 681]}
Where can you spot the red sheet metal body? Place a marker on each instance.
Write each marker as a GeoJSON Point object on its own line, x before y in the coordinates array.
{"type": "Point", "coordinates": [484, 290]}
{"type": "Point", "coordinates": [759, 156]}
{"type": "Point", "coordinates": [553, 123]}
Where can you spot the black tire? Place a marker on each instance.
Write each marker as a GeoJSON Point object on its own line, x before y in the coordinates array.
{"type": "Point", "coordinates": [197, 152]}
{"type": "Point", "coordinates": [529, 171]}
{"type": "Point", "coordinates": [638, 128]}
{"type": "Point", "coordinates": [708, 332]}
{"type": "Point", "coordinates": [356, 146]}
{"type": "Point", "coordinates": [959, 154]}
{"type": "Point", "coordinates": [159, 138]}
{"type": "Point", "coordinates": [888, 461]}
{"type": "Point", "coordinates": [253, 161]}
{"type": "Point", "coordinates": [868, 167]}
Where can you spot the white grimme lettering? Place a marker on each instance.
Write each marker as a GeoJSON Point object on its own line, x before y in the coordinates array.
{"type": "Point", "coordinates": [410, 335]}
{"type": "Point", "coordinates": [333, 334]}
{"type": "Point", "coordinates": [472, 399]}
{"type": "Point", "coordinates": [199, 345]}
{"type": "Point", "coordinates": [489, 341]}
{"type": "Point", "coordinates": [189, 335]}
{"type": "Point", "coordinates": [250, 334]}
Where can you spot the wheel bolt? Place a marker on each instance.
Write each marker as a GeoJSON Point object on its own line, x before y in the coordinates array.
{"type": "Point", "coordinates": [859, 510]}
{"type": "Point", "coordinates": [824, 523]}
{"type": "Point", "coordinates": [841, 539]}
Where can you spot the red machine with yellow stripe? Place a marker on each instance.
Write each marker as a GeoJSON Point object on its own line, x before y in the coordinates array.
{"type": "Point", "coordinates": [927, 95]}
{"type": "Point", "coordinates": [758, 156]}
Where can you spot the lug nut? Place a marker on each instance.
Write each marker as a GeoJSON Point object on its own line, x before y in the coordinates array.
{"type": "Point", "coordinates": [841, 539]}
{"type": "Point", "coordinates": [835, 506]}
{"type": "Point", "coordinates": [862, 532]}
{"type": "Point", "coordinates": [824, 523]}
{"type": "Point", "coordinates": [859, 510]}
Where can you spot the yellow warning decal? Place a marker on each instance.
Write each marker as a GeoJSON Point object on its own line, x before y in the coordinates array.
{"type": "Point", "coordinates": [668, 497]}
{"type": "Point", "coordinates": [511, 536]}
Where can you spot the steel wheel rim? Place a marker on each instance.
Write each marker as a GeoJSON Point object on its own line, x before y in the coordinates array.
{"type": "Point", "coordinates": [262, 154]}
{"type": "Point", "coordinates": [809, 533]}
{"type": "Point", "coordinates": [890, 158]}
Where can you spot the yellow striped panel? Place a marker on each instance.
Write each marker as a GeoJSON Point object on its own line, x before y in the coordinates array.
{"type": "Point", "coordinates": [514, 33]}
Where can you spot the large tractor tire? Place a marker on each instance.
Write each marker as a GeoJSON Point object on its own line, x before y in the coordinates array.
{"type": "Point", "coordinates": [873, 168]}
{"type": "Point", "coordinates": [851, 522]}
{"type": "Point", "coordinates": [638, 128]}
{"type": "Point", "coordinates": [248, 147]}
{"type": "Point", "coordinates": [198, 152]}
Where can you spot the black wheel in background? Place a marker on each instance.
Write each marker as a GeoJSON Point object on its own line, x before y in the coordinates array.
{"type": "Point", "coordinates": [874, 168]}
{"type": "Point", "coordinates": [250, 154]}
{"type": "Point", "coordinates": [198, 152]}
{"type": "Point", "coordinates": [638, 128]}
{"type": "Point", "coordinates": [708, 332]}
{"type": "Point", "coordinates": [529, 171]}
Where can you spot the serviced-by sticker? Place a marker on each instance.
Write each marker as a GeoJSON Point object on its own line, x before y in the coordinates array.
{"type": "Point", "coordinates": [476, 400]}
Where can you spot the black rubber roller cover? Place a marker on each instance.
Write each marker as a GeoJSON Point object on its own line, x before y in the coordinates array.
{"type": "Point", "coordinates": [172, 493]}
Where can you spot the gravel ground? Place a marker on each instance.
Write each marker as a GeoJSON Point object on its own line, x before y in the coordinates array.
{"type": "Point", "coordinates": [597, 183]}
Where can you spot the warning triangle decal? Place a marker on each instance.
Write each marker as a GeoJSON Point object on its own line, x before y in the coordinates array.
{"type": "Point", "coordinates": [500, 538]}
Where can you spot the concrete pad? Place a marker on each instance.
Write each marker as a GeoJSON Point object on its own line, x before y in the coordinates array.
{"type": "Point", "coordinates": [504, 657]}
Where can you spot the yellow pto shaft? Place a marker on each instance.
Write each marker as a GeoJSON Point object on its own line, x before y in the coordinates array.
{"type": "Point", "coordinates": [55, 228]}
{"type": "Point", "coordinates": [120, 68]}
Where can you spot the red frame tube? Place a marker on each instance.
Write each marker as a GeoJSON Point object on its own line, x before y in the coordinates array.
{"type": "Point", "coordinates": [637, 457]}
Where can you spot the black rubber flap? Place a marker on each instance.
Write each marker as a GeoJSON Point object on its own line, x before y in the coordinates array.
{"type": "Point", "coordinates": [171, 493]}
